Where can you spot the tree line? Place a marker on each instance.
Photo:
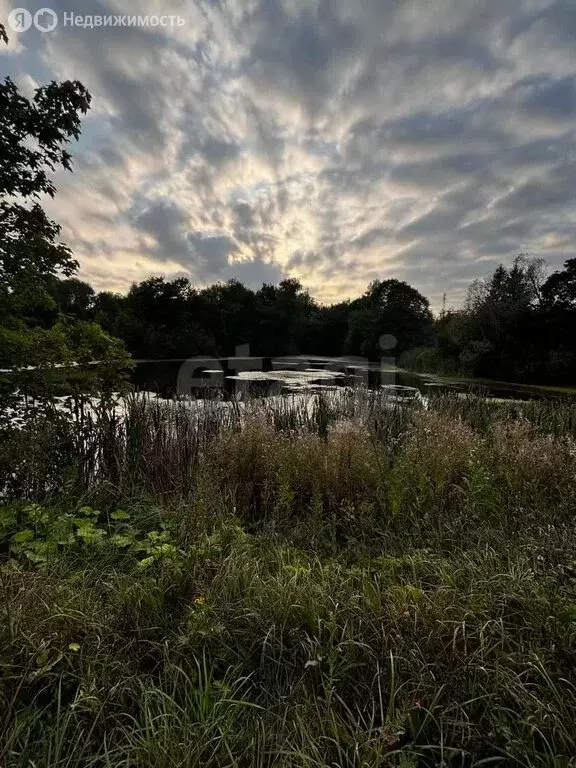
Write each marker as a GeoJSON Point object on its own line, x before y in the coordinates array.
{"type": "Point", "coordinates": [160, 318]}
{"type": "Point", "coordinates": [518, 324]}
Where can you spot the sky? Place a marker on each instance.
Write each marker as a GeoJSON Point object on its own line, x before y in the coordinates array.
{"type": "Point", "coordinates": [335, 141]}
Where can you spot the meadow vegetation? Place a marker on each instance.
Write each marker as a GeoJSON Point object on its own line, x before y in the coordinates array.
{"type": "Point", "coordinates": [344, 582]}
{"type": "Point", "coordinates": [348, 583]}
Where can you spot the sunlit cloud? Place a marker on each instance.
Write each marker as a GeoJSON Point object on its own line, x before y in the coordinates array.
{"type": "Point", "coordinates": [329, 141]}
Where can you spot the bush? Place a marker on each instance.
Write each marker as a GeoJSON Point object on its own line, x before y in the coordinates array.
{"type": "Point", "coordinates": [371, 587]}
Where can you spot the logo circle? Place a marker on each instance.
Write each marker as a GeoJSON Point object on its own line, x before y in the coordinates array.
{"type": "Point", "coordinates": [20, 19]}
{"type": "Point", "coordinates": [45, 20]}
{"type": "Point", "coordinates": [388, 342]}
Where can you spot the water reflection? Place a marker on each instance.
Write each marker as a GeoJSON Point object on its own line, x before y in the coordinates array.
{"type": "Point", "coordinates": [229, 377]}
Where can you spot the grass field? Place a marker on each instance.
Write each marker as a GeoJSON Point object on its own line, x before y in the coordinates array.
{"type": "Point", "coordinates": [348, 584]}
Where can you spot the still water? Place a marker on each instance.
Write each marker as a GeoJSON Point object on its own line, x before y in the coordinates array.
{"type": "Point", "coordinates": [169, 378]}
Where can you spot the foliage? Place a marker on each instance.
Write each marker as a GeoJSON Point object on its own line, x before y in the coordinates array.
{"type": "Point", "coordinates": [31, 137]}
{"type": "Point", "coordinates": [383, 588]}
{"type": "Point", "coordinates": [163, 319]}
{"type": "Point", "coordinates": [516, 326]}
{"type": "Point", "coordinates": [42, 534]}
{"type": "Point", "coordinates": [392, 308]}
{"type": "Point", "coordinates": [33, 333]}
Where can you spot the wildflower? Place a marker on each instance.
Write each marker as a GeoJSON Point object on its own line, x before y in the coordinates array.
{"type": "Point", "coordinates": [199, 600]}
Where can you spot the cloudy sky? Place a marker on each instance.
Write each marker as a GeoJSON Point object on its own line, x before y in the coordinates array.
{"type": "Point", "coordinates": [336, 141]}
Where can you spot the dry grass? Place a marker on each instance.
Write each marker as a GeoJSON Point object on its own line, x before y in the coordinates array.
{"type": "Point", "coordinates": [347, 585]}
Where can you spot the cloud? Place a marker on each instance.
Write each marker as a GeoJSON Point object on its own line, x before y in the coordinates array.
{"type": "Point", "coordinates": [253, 273]}
{"type": "Point", "coordinates": [554, 99]}
{"type": "Point", "coordinates": [329, 141]}
{"type": "Point", "coordinates": [210, 252]}
{"type": "Point", "coordinates": [244, 214]}
{"type": "Point", "coordinates": [165, 221]}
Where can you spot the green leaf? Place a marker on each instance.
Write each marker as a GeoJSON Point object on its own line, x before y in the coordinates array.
{"type": "Point", "coordinates": [7, 518]}
{"type": "Point", "coordinates": [36, 513]}
{"type": "Point", "coordinates": [45, 663]}
{"type": "Point", "coordinates": [120, 515]}
{"type": "Point", "coordinates": [26, 535]}
{"type": "Point", "coordinates": [84, 526]}
{"type": "Point", "coordinates": [36, 557]}
{"type": "Point", "coordinates": [89, 533]}
{"type": "Point", "coordinates": [166, 549]}
{"type": "Point", "coordinates": [74, 647]}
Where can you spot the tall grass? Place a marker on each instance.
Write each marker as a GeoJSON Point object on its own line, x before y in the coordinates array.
{"type": "Point", "coordinates": [339, 582]}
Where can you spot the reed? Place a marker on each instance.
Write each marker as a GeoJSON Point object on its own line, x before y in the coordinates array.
{"type": "Point", "coordinates": [333, 581]}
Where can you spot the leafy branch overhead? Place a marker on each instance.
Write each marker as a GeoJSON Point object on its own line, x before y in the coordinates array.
{"type": "Point", "coordinates": [33, 139]}
{"type": "Point", "coordinates": [34, 136]}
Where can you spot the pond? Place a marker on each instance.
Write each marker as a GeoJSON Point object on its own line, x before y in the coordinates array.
{"type": "Point", "coordinates": [203, 376]}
